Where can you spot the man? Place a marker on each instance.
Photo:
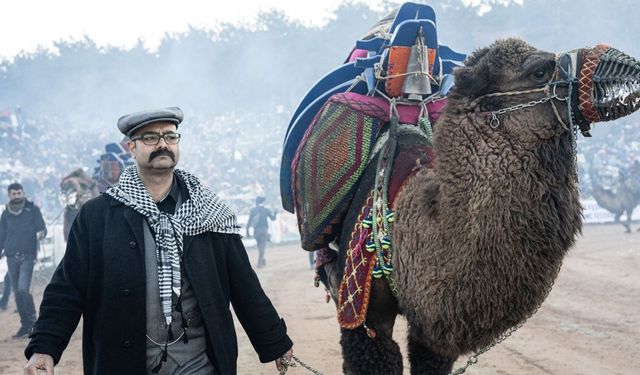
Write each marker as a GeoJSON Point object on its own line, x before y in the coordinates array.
{"type": "Point", "coordinates": [21, 226]}
{"type": "Point", "coordinates": [258, 220]}
{"type": "Point", "coordinates": [152, 266]}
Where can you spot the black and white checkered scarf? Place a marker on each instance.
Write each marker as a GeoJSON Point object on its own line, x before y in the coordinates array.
{"type": "Point", "coordinates": [202, 212]}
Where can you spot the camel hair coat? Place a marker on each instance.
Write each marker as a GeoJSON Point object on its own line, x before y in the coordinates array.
{"type": "Point", "coordinates": [102, 279]}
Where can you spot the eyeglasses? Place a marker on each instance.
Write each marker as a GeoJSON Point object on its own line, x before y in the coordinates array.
{"type": "Point", "coordinates": [152, 139]}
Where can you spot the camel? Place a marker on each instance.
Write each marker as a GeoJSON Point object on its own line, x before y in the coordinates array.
{"type": "Point", "coordinates": [622, 199]}
{"type": "Point", "coordinates": [479, 232]}
{"type": "Point", "coordinates": [75, 190]}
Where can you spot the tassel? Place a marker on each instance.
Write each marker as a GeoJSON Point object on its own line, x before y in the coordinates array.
{"type": "Point", "coordinates": [366, 223]}
{"type": "Point", "coordinates": [370, 332]}
{"type": "Point", "coordinates": [390, 217]}
{"type": "Point", "coordinates": [185, 337]}
{"type": "Point", "coordinates": [185, 323]}
{"type": "Point", "coordinates": [387, 268]}
{"type": "Point", "coordinates": [385, 242]}
{"type": "Point", "coordinates": [377, 271]}
{"type": "Point", "coordinates": [370, 246]}
{"type": "Point", "coordinates": [169, 333]}
{"type": "Point", "coordinates": [156, 369]}
{"type": "Point", "coordinates": [163, 358]}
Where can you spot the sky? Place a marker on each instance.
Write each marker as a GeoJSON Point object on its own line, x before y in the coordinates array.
{"type": "Point", "coordinates": [31, 24]}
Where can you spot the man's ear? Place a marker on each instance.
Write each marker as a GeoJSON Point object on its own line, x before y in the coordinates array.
{"type": "Point", "coordinates": [132, 147]}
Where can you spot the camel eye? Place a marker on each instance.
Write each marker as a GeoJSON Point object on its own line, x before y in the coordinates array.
{"type": "Point", "coordinates": [539, 74]}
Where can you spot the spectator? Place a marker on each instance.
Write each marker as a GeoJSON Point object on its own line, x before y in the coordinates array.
{"type": "Point", "coordinates": [258, 221]}
{"type": "Point", "coordinates": [21, 226]}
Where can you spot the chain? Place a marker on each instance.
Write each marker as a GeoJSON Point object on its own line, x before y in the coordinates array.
{"type": "Point", "coordinates": [473, 359]}
{"type": "Point", "coordinates": [286, 363]}
{"type": "Point", "coordinates": [495, 121]}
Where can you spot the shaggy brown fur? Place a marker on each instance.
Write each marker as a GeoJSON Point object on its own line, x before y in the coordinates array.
{"type": "Point", "coordinates": [489, 225]}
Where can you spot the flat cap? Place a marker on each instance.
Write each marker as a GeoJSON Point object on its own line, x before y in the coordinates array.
{"type": "Point", "coordinates": [134, 121]}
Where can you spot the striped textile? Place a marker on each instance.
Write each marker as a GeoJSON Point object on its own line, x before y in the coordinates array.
{"type": "Point", "coordinates": [328, 164]}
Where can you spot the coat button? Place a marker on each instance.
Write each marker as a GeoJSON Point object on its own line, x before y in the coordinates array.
{"type": "Point", "coordinates": [133, 244]}
{"type": "Point", "coordinates": [126, 343]}
{"type": "Point", "coordinates": [126, 292]}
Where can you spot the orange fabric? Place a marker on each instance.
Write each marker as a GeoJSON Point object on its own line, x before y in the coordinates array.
{"type": "Point", "coordinates": [398, 62]}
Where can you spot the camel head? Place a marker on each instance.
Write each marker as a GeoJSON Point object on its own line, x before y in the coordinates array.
{"type": "Point", "coordinates": [567, 90]}
{"type": "Point", "coordinates": [76, 188]}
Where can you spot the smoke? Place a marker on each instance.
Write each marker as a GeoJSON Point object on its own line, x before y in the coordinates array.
{"type": "Point", "coordinates": [236, 84]}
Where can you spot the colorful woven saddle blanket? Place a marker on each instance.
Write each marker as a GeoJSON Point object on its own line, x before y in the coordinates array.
{"type": "Point", "coordinates": [414, 151]}
{"type": "Point", "coordinates": [332, 157]}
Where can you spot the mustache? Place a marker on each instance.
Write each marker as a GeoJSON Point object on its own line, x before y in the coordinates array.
{"type": "Point", "coordinates": [162, 152]}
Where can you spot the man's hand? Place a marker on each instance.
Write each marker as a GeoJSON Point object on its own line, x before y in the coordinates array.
{"type": "Point", "coordinates": [37, 362]}
{"type": "Point", "coordinates": [286, 356]}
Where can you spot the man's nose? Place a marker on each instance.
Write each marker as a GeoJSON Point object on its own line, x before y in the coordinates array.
{"type": "Point", "coordinates": [162, 142]}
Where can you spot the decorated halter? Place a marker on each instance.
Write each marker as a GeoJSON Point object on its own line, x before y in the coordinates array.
{"type": "Point", "coordinates": [603, 85]}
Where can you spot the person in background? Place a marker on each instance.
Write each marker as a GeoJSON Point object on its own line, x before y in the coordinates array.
{"type": "Point", "coordinates": [153, 265]}
{"type": "Point", "coordinates": [21, 227]}
{"type": "Point", "coordinates": [258, 221]}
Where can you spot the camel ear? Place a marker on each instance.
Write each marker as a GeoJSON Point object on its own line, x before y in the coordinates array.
{"type": "Point", "coordinates": [468, 82]}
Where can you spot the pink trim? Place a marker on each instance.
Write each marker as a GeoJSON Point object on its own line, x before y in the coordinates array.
{"type": "Point", "coordinates": [357, 53]}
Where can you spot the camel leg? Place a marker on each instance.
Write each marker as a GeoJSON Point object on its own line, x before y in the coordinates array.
{"type": "Point", "coordinates": [423, 360]}
{"type": "Point", "coordinates": [364, 355]}
{"type": "Point", "coordinates": [627, 224]}
{"type": "Point", "coordinates": [328, 274]}
{"type": "Point", "coordinates": [629, 214]}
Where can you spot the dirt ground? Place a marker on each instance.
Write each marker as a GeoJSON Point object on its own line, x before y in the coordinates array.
{"type": "Point", "coordinates": [589, 325]}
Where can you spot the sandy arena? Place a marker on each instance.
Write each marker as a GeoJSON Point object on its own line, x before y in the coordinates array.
{"type": "Point", "coordinates": [589, 325]}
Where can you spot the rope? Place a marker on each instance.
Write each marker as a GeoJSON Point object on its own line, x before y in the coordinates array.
{"type": "Point", "coordinates": [286, 363]}
{"type": "Point", "coordinates": [417, 72]}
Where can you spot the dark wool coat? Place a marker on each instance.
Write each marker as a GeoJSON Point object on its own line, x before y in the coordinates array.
{"type": "Point", "coordinates": [102, 278]}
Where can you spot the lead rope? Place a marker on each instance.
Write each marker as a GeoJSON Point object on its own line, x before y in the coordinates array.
{"type": "Point", "coordinates": [286, 363]}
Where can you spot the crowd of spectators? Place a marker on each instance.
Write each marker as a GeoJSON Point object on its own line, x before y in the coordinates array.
{"type": "Point", "coordinates": [237, 154]}
{"type": "Point", "coordinates": [608, 154]}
